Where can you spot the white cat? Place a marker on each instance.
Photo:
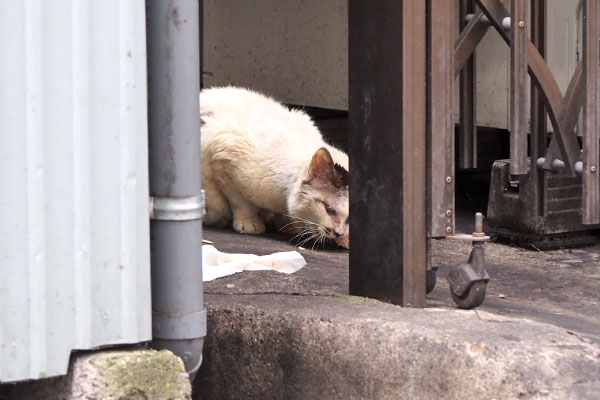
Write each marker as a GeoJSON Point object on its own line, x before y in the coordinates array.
{"type": "Point", "coordinates": [261, 159]}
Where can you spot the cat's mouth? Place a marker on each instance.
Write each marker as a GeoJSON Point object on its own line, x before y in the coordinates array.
{"type": "Point", "coordinates": [340, 239]}
{"type": "Point", "coordinates": [343, 241]}
{"type": "Point", "coordinates": [332, 234]}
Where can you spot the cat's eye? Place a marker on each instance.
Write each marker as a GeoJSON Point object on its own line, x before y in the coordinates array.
{"type": "Point", "coordinates": [330, 210]}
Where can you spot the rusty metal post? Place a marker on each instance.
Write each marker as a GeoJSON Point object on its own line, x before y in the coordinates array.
{"type": "Point", "coordinates": [387, 150]}
{"type": "Point", "coordinates": [591, 180]}
{"type": "Point", "coordinates": [414, 37]}
{"type": "Point", "coordinates": [538, 113]}
{"type": "Point", "coordinates": [440, 124]}
{"type": "Point", "coordinates": [467, 131]}
{"type": "Point", "coordinates": [537, 142]}
{"type": "Point", "coordinates": [518, 89]}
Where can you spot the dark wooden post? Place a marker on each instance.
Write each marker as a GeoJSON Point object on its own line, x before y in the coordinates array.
{"type": "Point", "coordinates": [387, 150]}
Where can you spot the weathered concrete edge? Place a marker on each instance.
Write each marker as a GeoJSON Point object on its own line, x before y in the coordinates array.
{"type": "Point", "coordinates": [270, 346]}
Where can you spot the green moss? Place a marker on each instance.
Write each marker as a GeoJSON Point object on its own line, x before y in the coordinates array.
{"type": "Point", "coordinates": [144, 374]}
{"type": "Point", "coordinates": [359, 300]}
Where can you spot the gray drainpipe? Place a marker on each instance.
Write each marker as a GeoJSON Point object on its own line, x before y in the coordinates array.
{"type": "Point", "coordinates": [173, 43]}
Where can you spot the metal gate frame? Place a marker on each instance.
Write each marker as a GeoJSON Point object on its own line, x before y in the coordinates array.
{"type": "Point", "coordinates": [391, 92]}
{"type": "Point", "coordinates": [564, 153]}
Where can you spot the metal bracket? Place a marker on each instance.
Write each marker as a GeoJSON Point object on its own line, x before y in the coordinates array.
{"type": "Point", "coordinates": [177, 208]}
{"type": "Point", "coordinates": [468, 238]}
{"type": "Point", "coordinates": [179, 326]}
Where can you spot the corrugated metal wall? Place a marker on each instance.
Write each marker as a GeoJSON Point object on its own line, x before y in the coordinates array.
{"type": "Point", "coordinates": [74, 230]}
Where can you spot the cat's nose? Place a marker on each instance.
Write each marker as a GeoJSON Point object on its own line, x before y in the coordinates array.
{"type": "Point", "coordinates": [337, 234]}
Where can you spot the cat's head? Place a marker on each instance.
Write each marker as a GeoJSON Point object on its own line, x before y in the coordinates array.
{"type": "Point", "coordinates": [320, 202]}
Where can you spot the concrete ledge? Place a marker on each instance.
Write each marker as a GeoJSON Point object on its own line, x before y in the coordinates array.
{"type": "Point", "coordinates": [317, 347]}
{"type": "Point", "coordinates": [108, 375]}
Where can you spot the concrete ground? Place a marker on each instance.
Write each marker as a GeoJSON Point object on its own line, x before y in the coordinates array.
{"type": "Point", "coordinates": [300, 336]}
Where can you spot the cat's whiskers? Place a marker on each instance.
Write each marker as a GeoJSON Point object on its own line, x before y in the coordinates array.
{"type": "Point", "coordinates": [301, 219]}
{"type": "Point", "coordinates": [300, 235]}
{"type": "Point", "coordinates": [303, 242]}
{"type": "Point", "coordinates": [317, 241]}
{"type": "Point", "coordinates": [311, 234]}
{"type": "Point", "coordinates": [320, 240]}
{"type": "Point", "coordinates": [303, 233]}
{"type": "Point", "coordinates": [323, 237]}
{"type": "Point", "coordinates": [311, 231]}
{"type": "Point", "coordinates": [306, 240]}
{"type": "Point", "coordinates": [318, 234]}
{"type": "Point", "coordinates": [290, 223]}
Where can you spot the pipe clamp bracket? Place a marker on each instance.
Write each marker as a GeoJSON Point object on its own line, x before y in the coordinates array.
{"type": "Point", "coordinates": [177, 208]}
{"type": "Point", "coordinates": [179, 326]}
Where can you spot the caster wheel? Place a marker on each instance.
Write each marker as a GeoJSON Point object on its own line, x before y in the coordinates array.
{"type": "Point", "coordinates": [471, 298]}
{"type": "Point", "coordinates": [431, 280]}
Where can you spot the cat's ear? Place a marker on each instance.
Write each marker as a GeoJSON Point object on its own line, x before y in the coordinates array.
{"type": "Point", "coordinates": [321, 166]}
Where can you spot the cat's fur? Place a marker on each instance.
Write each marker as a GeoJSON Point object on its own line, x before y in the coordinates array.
{"type": "Point", "coordinates": [260, 158]}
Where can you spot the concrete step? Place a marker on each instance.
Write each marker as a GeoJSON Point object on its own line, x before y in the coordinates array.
{"type": "Point", "coordinates": [274, 336]}
{"type": "Point", "coordinates": [316, 347]}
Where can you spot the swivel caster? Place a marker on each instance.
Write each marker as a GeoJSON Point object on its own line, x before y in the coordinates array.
{"type": "Point", "coordinates": [468, 281]}
{"type": "Point", "coordinates": [472, 298]}
{"type": "Point", "coordinates": [430, 279]}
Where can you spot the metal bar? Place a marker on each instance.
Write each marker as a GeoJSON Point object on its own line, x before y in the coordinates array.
{"type": "Point", "coordinates": [544, 81]}
{"type": "Point", "coordinates": [573, 102]}
{"type": "Point", "coordinates": [467, 131]}
{"type": "Point", "coordinates": [387, 201]}
{"type": "Point", "coordinates": [564, 135]}
{"type": "Point", "coordinates": [518, 88]}
{"type": "Point", "coordinates": [173, 40]}
{"type": "Point", "coordinates": [495, 11]}
{"type": "Point", "coordinates": [468, 40]}
{"type": "Point", "coordinates": [591, 180]}
{"type": "Point", "coordinates": [574, 98]}
{"type": "Point", "coordinates": [538, 113]}
{"type": "Point", "coordinates": [440, 130]}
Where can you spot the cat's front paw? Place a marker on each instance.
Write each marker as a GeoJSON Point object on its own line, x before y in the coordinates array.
{"type": "Point", "coordinates": [249, 225]}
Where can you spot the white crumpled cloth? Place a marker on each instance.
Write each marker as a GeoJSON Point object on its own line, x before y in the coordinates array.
{"type": "Point", "coordinates": [216, 264]}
